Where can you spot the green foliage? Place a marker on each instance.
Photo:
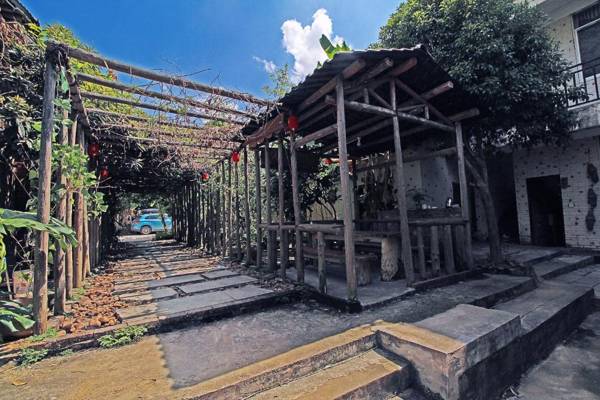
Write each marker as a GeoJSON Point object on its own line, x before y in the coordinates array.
{"type": "Point", "coordinates": [66, 353]}
{"type": "Point", "coordinates": [122, 336]}
{"type": "Point", "coordinates": [330, 49]}
{"type": "Point", "coordinates": [77, 293]}
{"type": "Point", "coordinates": [50, 333]}
{"type": "Point", "coordinates": [14, 318]}
{"type": "Point", "coordinates": [501, 54]}
{"type": "Point", "coordinates": [31, 356]}
{"type": "Point", "coordinates": [281, 83]}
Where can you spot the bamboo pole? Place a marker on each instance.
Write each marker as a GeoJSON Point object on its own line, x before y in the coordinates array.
{"type": "Point", "coordinates": [247, 208]}
{"type": "Point", "coordinates": [297, 211]}
{"type": "Point", "coordinates": [401, 195]}
{"type": "Point", "coordinates": [346, 195]}
{"type": "Point", "coordinates": [257, 196]}
{"type": "Point", "coordinates": [78, 255]}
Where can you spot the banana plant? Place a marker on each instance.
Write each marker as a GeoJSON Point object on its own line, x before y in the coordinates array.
{"type": "Point", "coordinates": [15, 318]}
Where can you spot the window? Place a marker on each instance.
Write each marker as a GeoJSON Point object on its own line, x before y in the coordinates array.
{"type": "Point", "coordinates": [587, 26]}
{"type": "Point", "coordinates": [152, 217]}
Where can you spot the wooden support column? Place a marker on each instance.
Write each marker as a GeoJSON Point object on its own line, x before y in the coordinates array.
{"type": "Point", "coordinates": [69, 220]}
{"type": "Point", "coordinates": [229, 210]}
{"type": "Point", "coordinates": [283, 243]}
{"type": "Point", "coordinates": [435, 251]}
{"type": "Point", "coordinates": [346, 195]}
{"type": "Point", "coordinates": [297, 210]}
{"type": "Point", "coordinates": [257, 195]}
{"type": "Point", "coordinates": [238, 227]}
{"type": "Point", "coordinates": [247, 208]}
{"type": "Point", "coordinates": [40, 273]}
{"type": "Point", "coordinates": [355, 190]}
{"type": "Point", "coordinates": [86, 239]}
{"type": "Point", "coordinates": [401, 194]}
{"type": "Point", "coordinates": [464, 196]}
{"type": "Point", "coordinates": [321, 262]}
{"type": "Point", "coordinates": [223, 210]}
{"type": "Point", "coordinates": [61, 214]}
{"type": "Point", "coordinates": [271, 257]}
{"type": "Point", "coordinates": [78, 215]}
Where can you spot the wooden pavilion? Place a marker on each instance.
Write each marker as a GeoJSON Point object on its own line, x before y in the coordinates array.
{"type": "Point", "coordinates": [356, 106]}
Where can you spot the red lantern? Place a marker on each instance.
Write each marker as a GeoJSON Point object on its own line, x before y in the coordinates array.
{"type": "Point", "coordinates": [104, 173]}
{"type": "Point", "coordinates": [293, 123]}
{"type": "Point", "coordinates": [93, 150]}
{"type": "Point", "coordinates": [235, 157]}
{"type": "Point", "coordinates": [328, 161]}
{"type": "Point", "coordinates": [204, 176]}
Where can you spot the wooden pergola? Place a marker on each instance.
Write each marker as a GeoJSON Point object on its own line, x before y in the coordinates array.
{"type": "Point", "coordinates": [195, 126]}
{"type": "Point", "coordinates": [357, 105]}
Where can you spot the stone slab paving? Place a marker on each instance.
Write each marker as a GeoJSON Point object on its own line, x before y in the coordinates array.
{"type": "Point", "coordinates": [561, 265]}
{"type": "Point", "coordinates": [216, 284]}
{"type": "Point", "coordinates": [587, 276]}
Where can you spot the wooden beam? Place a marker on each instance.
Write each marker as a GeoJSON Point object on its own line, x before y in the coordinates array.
{"type": "Point", "coordinates": [368, 108]}
{"type": "Point", "coordinates": [320, 134]}
{"type": "Point", "coordinates": [417, 157]}
{"type": "Point", "coordinates": [266, 131]}
{"type": "Point", "coordinates": [376, 70]}
{"type": "Point", "coordinates": [346, 195]}
{"type": "Point", "coordinates": [150, 121]}
{"type": "Point", "coordinates": [283, 244]}
{"type": "Point", "coordinates": [173, 134]}
{"type": "Point", "coordinates": [157, 95]}
{"type": "Point", "coordinates": [271, 261]}
{"type": "Point", "coordinates": [134, 103]}
{"type": "Point", "coordinates": [158, 142]}
{"type": "Point", "coordinates": [464, 195]}
{"type": "Point", "coordinates": [401, 195]}
{"type": "Point", "coordinates": [247, 208]}
{"type": "Point", "coordinates": [95, 59]}
{"type": "Point", "coordinates": [347, 73]}
{"type": "Point", "coordinates": [59, 263]}
{"type": "Point", "coordinates": [408, 90]}
{"type": "Point", "coordinates": [40, 273]}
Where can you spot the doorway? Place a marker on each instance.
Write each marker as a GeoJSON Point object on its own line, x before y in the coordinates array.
{"type": "Point", "coordinates": [546, 211]}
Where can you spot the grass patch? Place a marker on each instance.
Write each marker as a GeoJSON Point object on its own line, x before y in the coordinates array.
{"type": "Point", "coordinates": [77, 293]}
{"type": "Point", "coordinates": [50, 333]}
{"type": "Point", "coordinates": [66, 352]}
{"type": "Point", "coordinates": [31, 356]}
{"type": "Point", "coordinates": [163, 235]}
{"type": "Point", "coordinates": [122, 336]}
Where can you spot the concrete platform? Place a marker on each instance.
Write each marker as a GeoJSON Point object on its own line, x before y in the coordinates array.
{"type": "Point", "coordinates": [588, 276]}
{"type": "Point", "coordinates": [561, 265]}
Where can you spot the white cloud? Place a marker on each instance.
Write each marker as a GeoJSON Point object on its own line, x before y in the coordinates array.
{"type": "Point", "coordinates": [269, 66]}
{"type": "Point", "coordinates": [302, 42]}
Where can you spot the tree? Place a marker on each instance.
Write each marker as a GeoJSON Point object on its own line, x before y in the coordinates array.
{"type": "Point", "coordinates": [280, 82]}
{"type": "Point", "coordinates": [500, 53]}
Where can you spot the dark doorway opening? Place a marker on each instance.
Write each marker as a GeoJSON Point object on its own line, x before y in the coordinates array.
{"type": "Point", "coordinates": [546, 211]}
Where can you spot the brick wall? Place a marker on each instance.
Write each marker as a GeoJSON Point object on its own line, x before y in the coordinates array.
{"type": "Point", "coordinates": [570, 163]}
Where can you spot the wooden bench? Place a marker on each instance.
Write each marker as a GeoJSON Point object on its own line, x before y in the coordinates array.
{"type": "Point", "coordinates": [364, 262]}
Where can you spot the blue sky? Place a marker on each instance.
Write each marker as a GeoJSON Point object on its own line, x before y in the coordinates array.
{"type": "Point", "coordinates": [220, 37]}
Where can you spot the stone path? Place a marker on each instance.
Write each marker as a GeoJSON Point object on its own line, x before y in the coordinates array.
{"type": "Point", "coordinates": [161, 280]}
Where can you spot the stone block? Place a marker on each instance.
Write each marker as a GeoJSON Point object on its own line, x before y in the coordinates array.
{"type": "Point", "coordinates": [446, 347]}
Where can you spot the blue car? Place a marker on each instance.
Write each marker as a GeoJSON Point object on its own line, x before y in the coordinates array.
{"type": "Point", "coordinates": [149, 223]}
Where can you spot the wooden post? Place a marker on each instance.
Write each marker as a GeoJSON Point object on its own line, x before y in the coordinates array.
{"type": "Point", "coordinates": [226, 233]}
{"type": "Point", "coordinates": [86, 241]}
{"type": "Point", "coordinates": [69, 220]}
{"type": "Point", "coordinates": [257, 195]}
{"type": "Point", "coordinates": [78, 261]}
{"type": "Point", "coordinates": [297, 210]}
{"type": "Point", "coordinates": [355, 191]}
{"type": "Point", "coordinates": [346, 195]}
{"type": "Point", "coordinates": [40, 274]}
{"type": "Point", "coordinates": [283, 244]}
{"type": "Point", "coordinates": [321, 262]}
{"type": "Point", "coordinates": [61, 211]}
{"type": "Point", "coordinates": [464, 196]}
{"type": "Point", "coordinates": [238, 228]}
{"type": "Point", "coordinates": [229, 210]}
{"type": "Point", "coordinates": [435, 251]}
{"type": "Point", "coordinates": [448, 251]}
{"type": "Point", "coordinates": [421, 253]}
{"type": "Point", "coordinates": [271, 262]}
{"type": "Point", "coordinates": [247, 208]}
{"type": "Point", "coordinates": [401, 194]}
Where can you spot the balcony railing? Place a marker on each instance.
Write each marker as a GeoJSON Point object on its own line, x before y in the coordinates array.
{"type": "Point", "coordinates": [586, 77]}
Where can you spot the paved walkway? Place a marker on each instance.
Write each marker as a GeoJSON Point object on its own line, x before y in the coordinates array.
{"type": "Point", "coordinates": [161, 280]}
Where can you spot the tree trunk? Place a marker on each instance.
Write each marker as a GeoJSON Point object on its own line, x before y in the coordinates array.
{"type": "Point", "coordinates": [480, 176]}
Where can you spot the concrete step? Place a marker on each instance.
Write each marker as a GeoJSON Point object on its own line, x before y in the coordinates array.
{"type": "Point", "coordinates": [549, 314]}
{"type": "Point", "coordinates": [561, 265]}
{"type": "Point", "coordinates": [295, 365]}
{"type": "Point", "coordinates": [369, 375]}
{"type": "Point", "coordinates": [588, 276]}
